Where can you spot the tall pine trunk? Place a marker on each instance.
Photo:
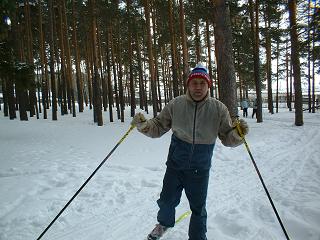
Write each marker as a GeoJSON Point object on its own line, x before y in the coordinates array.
{"type": "Point", "coordinates": [292, 4]}
{"type": "Point", "coordinates": [51, 64]}
{"type": "Point", "coordinates": [43, 65]}
{"type": "Point", "coordinates": [224, 56]}
{"type": "Point", "coordinates": [173, 46]}
{"type": "Point", "coordinates": [150, 57]}
{"type": "Point", "coordinates": [184, 45]}
{"type": "Point", "coordinates": [96, 78]}
{"type": "Point", "coordinates": [77, 58]}
{"type": "Point", "coordinates": [254, 17]}
{"type": "Point", "coordinates": [268, 58]}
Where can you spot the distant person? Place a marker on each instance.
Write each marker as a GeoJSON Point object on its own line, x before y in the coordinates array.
{"type": "Point", "coordinates": [254, 107]}
{"type": "Point", "coordinates": [196, 120]}
{"type": "Point", "coordinates": [245, 105]}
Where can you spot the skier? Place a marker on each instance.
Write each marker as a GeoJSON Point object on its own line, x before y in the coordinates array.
{"type": "Point", "coordinates": [254, 107]}
{"type": "Point", "coordinates": [196, 120]}
{"type": "Point", "coordinates": [245, 105]}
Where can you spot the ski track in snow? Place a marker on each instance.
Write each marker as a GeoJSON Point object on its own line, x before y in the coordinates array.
{"type": "Point", "coordinates": [43, 163]}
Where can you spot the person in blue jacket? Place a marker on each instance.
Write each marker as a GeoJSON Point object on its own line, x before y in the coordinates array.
{"type": "Point", "coordinates": [196, 120]}
{"type": "Point", "coordinates": [245, 105]}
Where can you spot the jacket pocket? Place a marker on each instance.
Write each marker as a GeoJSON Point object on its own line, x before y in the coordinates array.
{"type": "Point", "coordinates": [179, 153]}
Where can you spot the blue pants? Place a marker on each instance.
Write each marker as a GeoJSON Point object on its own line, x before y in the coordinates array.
{"type": "Point", "coordinates": [195, 185]}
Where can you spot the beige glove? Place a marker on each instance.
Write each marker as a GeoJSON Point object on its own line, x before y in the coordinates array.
{"type": "Point", "coordinates": [242, 127]}
{"type": "Point", "coordinates": [139, 121]}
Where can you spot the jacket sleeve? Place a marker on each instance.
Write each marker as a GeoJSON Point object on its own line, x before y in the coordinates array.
{"type": "Point", "coordinates": [159, 125]}
{"type": "Point", "coordinates": [227, 133]}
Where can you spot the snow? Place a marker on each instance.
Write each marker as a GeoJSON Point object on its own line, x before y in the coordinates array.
{"type": "Point", "coordinates": [43, 163]}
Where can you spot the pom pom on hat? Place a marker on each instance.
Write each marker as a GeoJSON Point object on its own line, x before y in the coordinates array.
{"type": "Point", "coordinates": [200, 72]}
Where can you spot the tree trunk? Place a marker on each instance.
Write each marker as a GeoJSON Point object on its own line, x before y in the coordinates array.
{"type": "Point", "coordinates": [31, 94]}
{"type": "Point", "coordinates": [150, 57]}
{"type": "Point", "coordinates": [292, 5]}
{"type": "Point", "coordinates": [142, 93]}
{"type": "Point", "coordinates": [5, 97]}
{"type": "Point", "coordinates": [89, 73]}
{"type": "Point", "coordinates": [288, 73]}
{"type": "Point", "coordinates": [277, 91]}
{"type": "Point", "coordinates": [197, 41]}
{"type": "Point", "coordinates": [63, 73]}
{"type": "Point", "coordinates": [42, 65]}
{"type": "Point", "coordinates": [314, 63]}
{"type": "Point", "coordinates": [268, 58]}
{"type": "Point", "coordinates": [224, 56]}
{"type": "Point", "coordinates": [11, 98]}
{"type": "Point", "coordinates": [115, 78]}
{"type": "Point", "coordinates": [119, 67]}
{"type": "Point", "coordinates": [109, 82]}
{"type": "Point", "coordinates": [184, 46]}
{"type": "Point", "coordinates": [173, 46]}
{"type": "Point", "coordinates": [254, 16]}
{"type": "Point", "coordinates": [130, 52]}
{"type": "Point", "coordinates": [77, 60]}
{"type": "Point", "coordinates": [96, 82]}
{"type": "Point", "coordinates": [105, 75]}
{"type": "Point", "coordinates": [70, 90]}
{"type": "Point", "coordinates": [157, 77]}
{"type": "Point", "coordinates": [209, 54]}
{"type": "Point", "coordinates": [52, 71]}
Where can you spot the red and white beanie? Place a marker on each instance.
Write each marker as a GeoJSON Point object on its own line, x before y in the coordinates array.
{"type": "Point", "coordinates": [200, 72]}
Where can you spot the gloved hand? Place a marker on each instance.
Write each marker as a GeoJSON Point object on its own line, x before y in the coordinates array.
{"type": "Point", "coordinates": [243, 127]}
{"type": "Point", "coordinates": [139, 121]}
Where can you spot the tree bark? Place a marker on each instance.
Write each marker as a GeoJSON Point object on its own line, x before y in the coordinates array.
{"type": "Point", "coordinates": [209, 55]}
{"type": "Point", "coordinates": [173, 46]}
{"type": "Point", "coordinates": [42, 65]}
{"type": "Point", "coordinates": [254, 17]}
{"type": "Point", "coordinates": [96, 82]}
{"type": "Point", "coordinates": [77, 59]}
{"type": "Point", "coordinates": [150, 57]}
{"type": "Point", "coordinates": [184, 46]}
{"type": "Point", "coordinates": [292, 4]}
{"type": "Point", "coordinates": [224, 56]}
{"type": "Point", "coordinates": [109, 82]}
{"type": "Point", "coordinates": [268, 58]}
{"type": "Point", "coordinates": [52, 71]}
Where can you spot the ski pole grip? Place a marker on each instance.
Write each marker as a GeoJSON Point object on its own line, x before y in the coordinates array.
{"type": "Point", "coordinates": [239, 128]}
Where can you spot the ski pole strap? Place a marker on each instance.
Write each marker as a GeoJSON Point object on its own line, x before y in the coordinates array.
{"type": "Point", "coordinates": [261, 179]}
{"type": "Point", "coordinates": [85, 183]}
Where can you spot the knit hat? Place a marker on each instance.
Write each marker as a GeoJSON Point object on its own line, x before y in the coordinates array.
{"type": "Point", "coordinates": [200, 72]}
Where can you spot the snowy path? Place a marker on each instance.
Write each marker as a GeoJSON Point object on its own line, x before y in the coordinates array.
{"type": "Point", "coordinates": [43, 163]}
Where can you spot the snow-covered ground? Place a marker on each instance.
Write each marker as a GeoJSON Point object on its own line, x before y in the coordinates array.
{"type": "Point", "coordinates": [43, 163]}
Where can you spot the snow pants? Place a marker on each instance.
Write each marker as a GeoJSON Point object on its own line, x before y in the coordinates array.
{"type": "Point", "coordinates": [195, 185]}
{"type": "Point", "coordinates": [245, 112]}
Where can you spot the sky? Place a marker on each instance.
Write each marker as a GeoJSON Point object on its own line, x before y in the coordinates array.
{"type": "Point", "coordinates": [44, 162]}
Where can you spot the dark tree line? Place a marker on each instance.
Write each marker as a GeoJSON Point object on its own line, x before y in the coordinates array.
{"type": "Point", "coordinates": [62, 55]}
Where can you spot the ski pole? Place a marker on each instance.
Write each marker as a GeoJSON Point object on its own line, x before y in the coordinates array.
{"type": "Point", "coordinates": [261, 179]}
{"type": "Point", "coordinates": [85, 183]}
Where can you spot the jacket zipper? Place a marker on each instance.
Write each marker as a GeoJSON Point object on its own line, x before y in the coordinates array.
{"type": "Point", "coordinates": [193, 133]}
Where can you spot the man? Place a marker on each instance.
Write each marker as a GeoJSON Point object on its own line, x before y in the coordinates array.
{"type": "Point", "coordinates": [245, 105]}
{"type": "Point", "coordinates": [196, 120]}
{"type": "Point", "coordinates": [254, 107]}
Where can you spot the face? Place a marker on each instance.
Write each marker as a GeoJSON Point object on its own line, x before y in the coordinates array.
{"type": "Point", "coordinates": [198, 88]}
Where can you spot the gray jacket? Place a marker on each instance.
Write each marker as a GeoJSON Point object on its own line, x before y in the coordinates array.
{"type": "Point", "coordinates": [194, 122]}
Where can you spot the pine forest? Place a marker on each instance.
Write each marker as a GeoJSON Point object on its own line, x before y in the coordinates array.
{"type": "Point", "coordinates": [66, 56]}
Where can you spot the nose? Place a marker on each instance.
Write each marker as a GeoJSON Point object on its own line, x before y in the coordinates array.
{"type": "Point", "coordinates": [198, 85]}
